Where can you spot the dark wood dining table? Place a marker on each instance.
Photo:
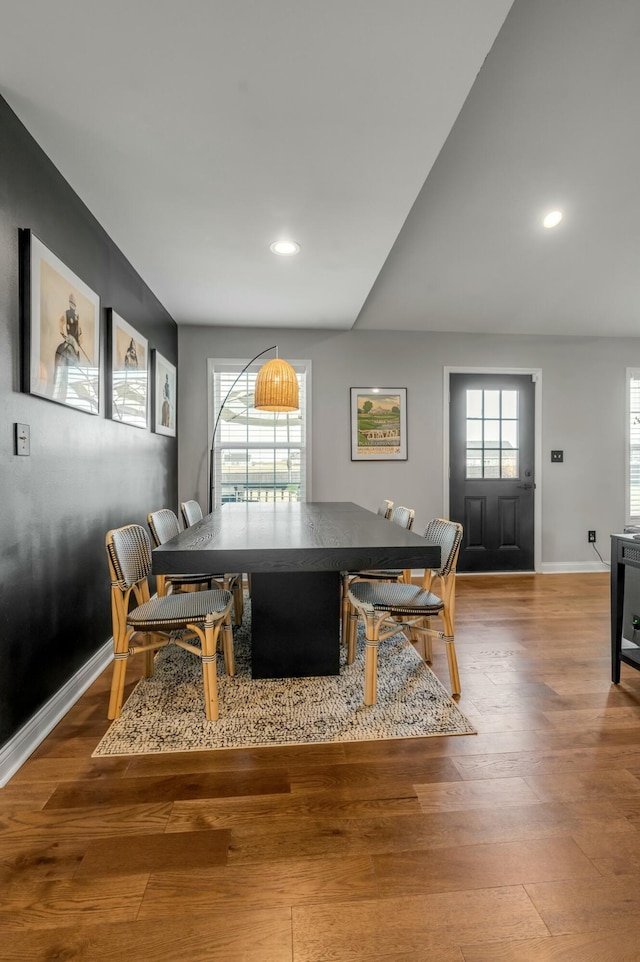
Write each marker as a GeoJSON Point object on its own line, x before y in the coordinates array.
{"type": "Point", "coordinates": [294, 553]}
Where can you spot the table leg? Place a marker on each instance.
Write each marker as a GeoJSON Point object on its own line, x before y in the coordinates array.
{"type": "Point", "coordinates": [295, 624]}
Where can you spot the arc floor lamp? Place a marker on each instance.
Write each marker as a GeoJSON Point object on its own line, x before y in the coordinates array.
{"type": "Point", "coordinates": [276, 390]}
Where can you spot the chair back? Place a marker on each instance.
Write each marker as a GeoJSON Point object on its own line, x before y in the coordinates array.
{"type": "Point", "coordinates": [403, 517]}
{"type": "Point", "coordinates": [163, 525]}
{"type": "Point", "coordinates": [385, 509]}
{"type": "Point", "coordinates": [191, 512]}
{"type": "Point", "coordinates": [129, 553]}
{"type": "Point", "coordinates": [447, 534]}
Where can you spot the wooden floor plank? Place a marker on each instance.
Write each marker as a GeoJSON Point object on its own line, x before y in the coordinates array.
{"type": "Point", "coordinates": [133, 791]}
{"type": "Point", "coordinates": [305, 881]}
{"type": "Point", "coordinates": [608, 946]}
{"type": "Point", "coordinates": [154, 853]}
{"type": "Point", "coordinates": [413, 927]}
{"type": "Point", "coordinates": [40, 903]}
{"type": "Point", "coordinates": [220, 936]}
{"type": "Point", "coordinates": [587, 905]}
{"type": "Point", "coordinates": [482, 866]}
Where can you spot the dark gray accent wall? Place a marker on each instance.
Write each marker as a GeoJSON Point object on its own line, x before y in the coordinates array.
{"type": "Point", "coordinates": [85, 474]}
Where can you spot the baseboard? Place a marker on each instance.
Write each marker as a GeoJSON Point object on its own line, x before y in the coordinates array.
{"type": "Point", "coordinates": [16, 751]}
{"type": "Point", "coordinates": [571, 567]}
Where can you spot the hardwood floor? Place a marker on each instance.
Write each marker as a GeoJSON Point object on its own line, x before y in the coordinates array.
{"type": "Point", "coordinates": [520, 844]}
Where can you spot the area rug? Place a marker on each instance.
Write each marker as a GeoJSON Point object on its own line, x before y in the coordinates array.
{"type": "Point", "coordinates": [165, 713]}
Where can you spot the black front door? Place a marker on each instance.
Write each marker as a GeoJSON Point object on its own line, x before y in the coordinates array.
{"type": "Point", "coordinates": [492, 480]}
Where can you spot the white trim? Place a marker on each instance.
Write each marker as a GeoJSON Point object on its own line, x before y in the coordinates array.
{"type": "Point", "coordinates": [16, 751]}
{"type": "Point", "coordinates": [633, 373]}
{"type": "Point", "coordinates": [536, 375]}
{"type": "Point", "coordinates": [571, 567]}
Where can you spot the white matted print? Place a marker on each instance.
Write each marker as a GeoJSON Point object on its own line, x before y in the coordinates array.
{"type": "Point", "coordinates": [129, 374]}
{"type": "Point", "coordinates": [61, 328]}
{"type": "Point", "coordinates": [378, 424]}
{"type": "Point", "coordinates": [165, 397]}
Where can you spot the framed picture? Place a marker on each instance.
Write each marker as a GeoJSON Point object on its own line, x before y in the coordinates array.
{"type": "Point", "coordinates": [378, 424]}
{"type": "Point", "coordinates": [164, 396]}
{"type": "Point", "coordinates": [60, 318]}
{"type": "Point", "coordinates": [129, 373]}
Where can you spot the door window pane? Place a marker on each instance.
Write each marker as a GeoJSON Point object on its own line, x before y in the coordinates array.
{"type": "Point", "coordinates": [509, 464]}
{"type": "Point", "coordinates": [474, 404]}
{"type": "Point", "coordinates": [491, 464]}
{"type": "Point", "coordinates": [474, 464]}
{"type": "Point", "coordinates": [492, 434]}
{"type": "Point", "coordinates": [509, 404]}
{"type": "Point", "coordinates": [492, 404]}
{"type": "Point", "coordinates": [474, 434]}
{"type": "Point", "coordinates": [510, 434]}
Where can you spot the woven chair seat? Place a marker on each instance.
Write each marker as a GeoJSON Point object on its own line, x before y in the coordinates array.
{"type": "Point", "coordinates": [398, 599]}
{"type": "Point", "coordinates": [172, 611]}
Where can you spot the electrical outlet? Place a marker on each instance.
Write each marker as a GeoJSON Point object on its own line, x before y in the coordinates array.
{"type": "Point", "coordinates": [591, 535]}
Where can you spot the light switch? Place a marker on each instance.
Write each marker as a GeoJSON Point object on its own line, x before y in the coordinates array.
{"type": "Point", "coordinates": [557, 456]}
{"type": "Point", "coordinates": [22, 439]}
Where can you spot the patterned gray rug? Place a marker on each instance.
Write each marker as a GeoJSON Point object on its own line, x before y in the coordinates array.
{"type": "Point", "coordinates": [165, 713]}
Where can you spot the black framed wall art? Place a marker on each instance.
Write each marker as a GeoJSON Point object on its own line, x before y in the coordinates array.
{"type": "Point", "coordinates": [164, 396]}
{"type": "Point", "coordinates": [129, 373]}
{"type": "Point", "coordinates": [60, 317]}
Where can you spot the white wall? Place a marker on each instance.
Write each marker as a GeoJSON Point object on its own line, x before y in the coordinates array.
{"type": "Point", "coordinates": [583, 413]}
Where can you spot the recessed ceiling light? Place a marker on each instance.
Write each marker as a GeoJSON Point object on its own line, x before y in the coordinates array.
{"type": "Point", "coordinates": [553, 218]}
{"type": "Point", "coordinates": [285, 248]}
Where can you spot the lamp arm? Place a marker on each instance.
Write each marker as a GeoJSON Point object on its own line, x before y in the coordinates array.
{"type": "Point", "coordinates": [215, 426]}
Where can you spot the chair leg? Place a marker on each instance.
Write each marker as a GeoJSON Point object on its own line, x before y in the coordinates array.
{"type": "Point", "coordinates": [427, 642]}
{"type": "Point", "coordinates": [149, 657]}
{"type": "Point", "coordinates": [352, 633]}
{"type": "Point", "coordinates": [344, 634]}
{"type": "Point", "coordinates": [238, 602]}
{"type": "Point", "coordinates": [209, 640]}
{"type": "Point", "coordinates": [371, 672]}
{"type": "Point", "coordinates": [451, 652]}
{"type": "Point", "coordinates": [117, 684]}
{"type": "Point", "coordinates": [453, 666]}
{"type": "Point", "coordinates": [227, 648]}
{"type": "Point", "coordinates": [371, 662]}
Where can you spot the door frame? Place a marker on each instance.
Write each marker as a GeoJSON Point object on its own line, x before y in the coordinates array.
{"type": "Point", "coordinates": [536, 374]}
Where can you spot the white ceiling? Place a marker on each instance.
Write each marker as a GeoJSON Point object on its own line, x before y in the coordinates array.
{"type": "Point", "coordinates": [198, 132]}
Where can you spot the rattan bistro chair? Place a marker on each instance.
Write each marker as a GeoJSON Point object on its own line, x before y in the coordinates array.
{"type": "Point", "coordinates": [192, 513]}
{"type": "Point", "coordinates": [391, 607]}
{"type": "Point", "coordinates": [164, 525]}
{"type": "Point", "coordinates": [385, 508]}
{"type": "Point", "coordinates": [401, 516]}
{"type": "Point", "coordinates": [205, 614]}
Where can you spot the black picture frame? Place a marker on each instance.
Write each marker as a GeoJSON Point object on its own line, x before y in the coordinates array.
{"type": "Point", "coordinates": [60, 322]}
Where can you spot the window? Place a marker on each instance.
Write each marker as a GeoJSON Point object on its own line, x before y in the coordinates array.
{"type": "Point", "coordinates": [492, 434]}
{"type": "Point", "coordinates": [633, 444]}
{"type": "Point", "coordinates": [257, 455]}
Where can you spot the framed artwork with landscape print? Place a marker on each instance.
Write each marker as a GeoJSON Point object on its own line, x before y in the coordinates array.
{"type": "Point", "coordinates": [129, 374]}
{"type": "Point", "coordinates": [164, 396]}
{"type": "Point", "coordinates": [60, 318]}
{"type": "Point", "coordinates": [378, 424]}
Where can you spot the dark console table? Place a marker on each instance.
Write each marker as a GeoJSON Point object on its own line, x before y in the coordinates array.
{"type": "Point", "coordinates": [625, 603]}
{"type": "Point", "coordinates": [294, 553]}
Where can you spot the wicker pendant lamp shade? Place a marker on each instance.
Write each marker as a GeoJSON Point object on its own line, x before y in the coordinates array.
{"type": "Point", "coordinates": [276, 387]}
